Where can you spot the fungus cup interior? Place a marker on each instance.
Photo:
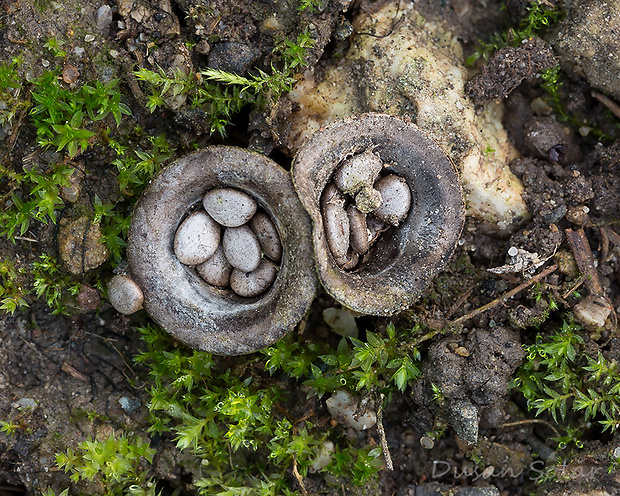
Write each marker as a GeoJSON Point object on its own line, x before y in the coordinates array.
{"type": "Point", "coordinates": [400, 265]}
{"type": "Point", "coordinates": [226, 295]}
{"type": "Point", "coordinates": [176, 296]}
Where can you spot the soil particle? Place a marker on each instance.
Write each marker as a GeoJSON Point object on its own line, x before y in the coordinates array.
{"type": "Point", "coordinates": [436, 489]}
{"type": "Point", "coordinates": [508, 68]}
{"type": "Point", "coordinates": [232, 56]}
{"type": "Point", "coordinates": [546, 138]}
{"type": "Point", "coordinates": [479, 380]}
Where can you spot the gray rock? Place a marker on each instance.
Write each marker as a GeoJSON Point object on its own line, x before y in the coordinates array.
{"type": "Point", "coordinates": [232, 56]}
{"type": "Point", "coordinates": [588, 43]}
{"type": "Point", "coordinates": [464, 419]}
{"type": "Point", "coordinates": [104, 18]}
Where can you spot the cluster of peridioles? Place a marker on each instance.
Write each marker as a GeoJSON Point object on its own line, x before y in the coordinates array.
{"type": "Point", "coordinates": [232, 243]}
{"type": "Point", "coordinates": [359, 204]}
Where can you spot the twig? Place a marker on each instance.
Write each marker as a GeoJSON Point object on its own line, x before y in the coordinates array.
{"type": "Point", "coordinates": [582, 252]}
{"type": "Point", "coordinates": [24, 238]}
{"type": "Point", "coordinates": [298, 476]}
{"type": "Point", "coordinates": [505, 297]}
{"type": "Point", "coordinates": [608, 102]}
{"type": "Point", "coordinates": [530, 421]}
{"type": "Point", "coordinates": [381, 431]}
{"type": "Point", "coordinates": [574, 288]}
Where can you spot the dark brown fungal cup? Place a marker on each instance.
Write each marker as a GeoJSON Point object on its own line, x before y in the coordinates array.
{"type": "Point", "coordinates": [399, 266]}
{"type": "Point", "coordinates": [201, 315]}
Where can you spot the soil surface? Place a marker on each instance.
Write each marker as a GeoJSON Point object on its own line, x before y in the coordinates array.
{"type": "Point", "coordinates": [67, 378]}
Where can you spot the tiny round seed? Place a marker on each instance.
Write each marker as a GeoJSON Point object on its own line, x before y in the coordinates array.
{"type": "Point", "coordinates": [249, 284]}
{"type": "Point", "coordinates": [216, 271]}
{"type": "Point", "coordinates": [336, 229]}
{"type": "Point", "coordinates": [125, 295]}
{"type": "Point", "coordinates": [196, 239]}
{"type": "Point", "coordinates": [358, 171]}
{"type": "Point", "coordinates": [396, 199]}
{"type": "Point", "coordinates": [241, 248]}
{"type": "Point", "coordinates": [368, 199]}
{"type": "Point", "coordinates": [359, 230]}
{"type": "Point", "coordinates": [268, 236]}
{"type": "Point", "coordinates": [230, 207]}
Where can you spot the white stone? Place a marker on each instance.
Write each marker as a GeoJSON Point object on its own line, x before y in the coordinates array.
{"type": "Point", "coordinates": [343, 406]}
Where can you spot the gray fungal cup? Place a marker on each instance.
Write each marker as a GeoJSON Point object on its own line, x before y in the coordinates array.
{"type": "Point", "coordinates": [410, 244]}
{"type": "Point", "coordinates": [200, 314]}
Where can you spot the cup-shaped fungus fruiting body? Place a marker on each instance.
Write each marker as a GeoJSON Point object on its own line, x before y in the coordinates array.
{"type": "Point", "coordinates": [239, 297]}
{"type": "Point", "coordinates": [380, 257]}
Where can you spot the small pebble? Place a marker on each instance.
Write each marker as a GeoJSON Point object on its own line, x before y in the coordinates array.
{"type": "Point", "coordinates": [196, 239]}
{"type": "Point", "coordinates": [358, 171]}
{"type": "Point", "coordinates": [125, 295]}
{"type": "Point", "coordinates": [267, 235]}
{"type": "Point", "coordinates": [216, 271]}
{"type": "Point", "coordinates": [88, 38]}
{"type": "Point", "coordinates": [241, 248]}
{"type": "Point", "coordinates": [396, 199]}
{"type": "Point", "coordinates": [358, 230]}
{"type": "Point", "coordinates": [368, 200]}
{"type": "Point", "coordinates": [230, 207]}
{"type": "Point", "coordinates": [104, 18]}
{"type": "Point", "coordinates": [250, 284]}
{"type": "Point", "coordinates": [336, 229]}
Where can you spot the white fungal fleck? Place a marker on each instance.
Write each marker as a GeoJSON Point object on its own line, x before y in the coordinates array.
{"type": "Point", "coordinates": [196, 239]}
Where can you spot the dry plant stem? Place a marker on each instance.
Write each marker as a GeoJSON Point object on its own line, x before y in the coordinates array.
{"type": "Point", "coordinates": [505, 297]}
{"type": "Point", "coordinates": [529, 421]}
{"type": "Point", "coordinates": [582, 252]}
{"type": "Point", "coordinates": [384, 445]}
{"type": "Point", "coordinates": [580, 281]}
{"type": "Point", "coordinates": [608, 102]}
{"type": "Point", "coordinates": [298, 476]}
